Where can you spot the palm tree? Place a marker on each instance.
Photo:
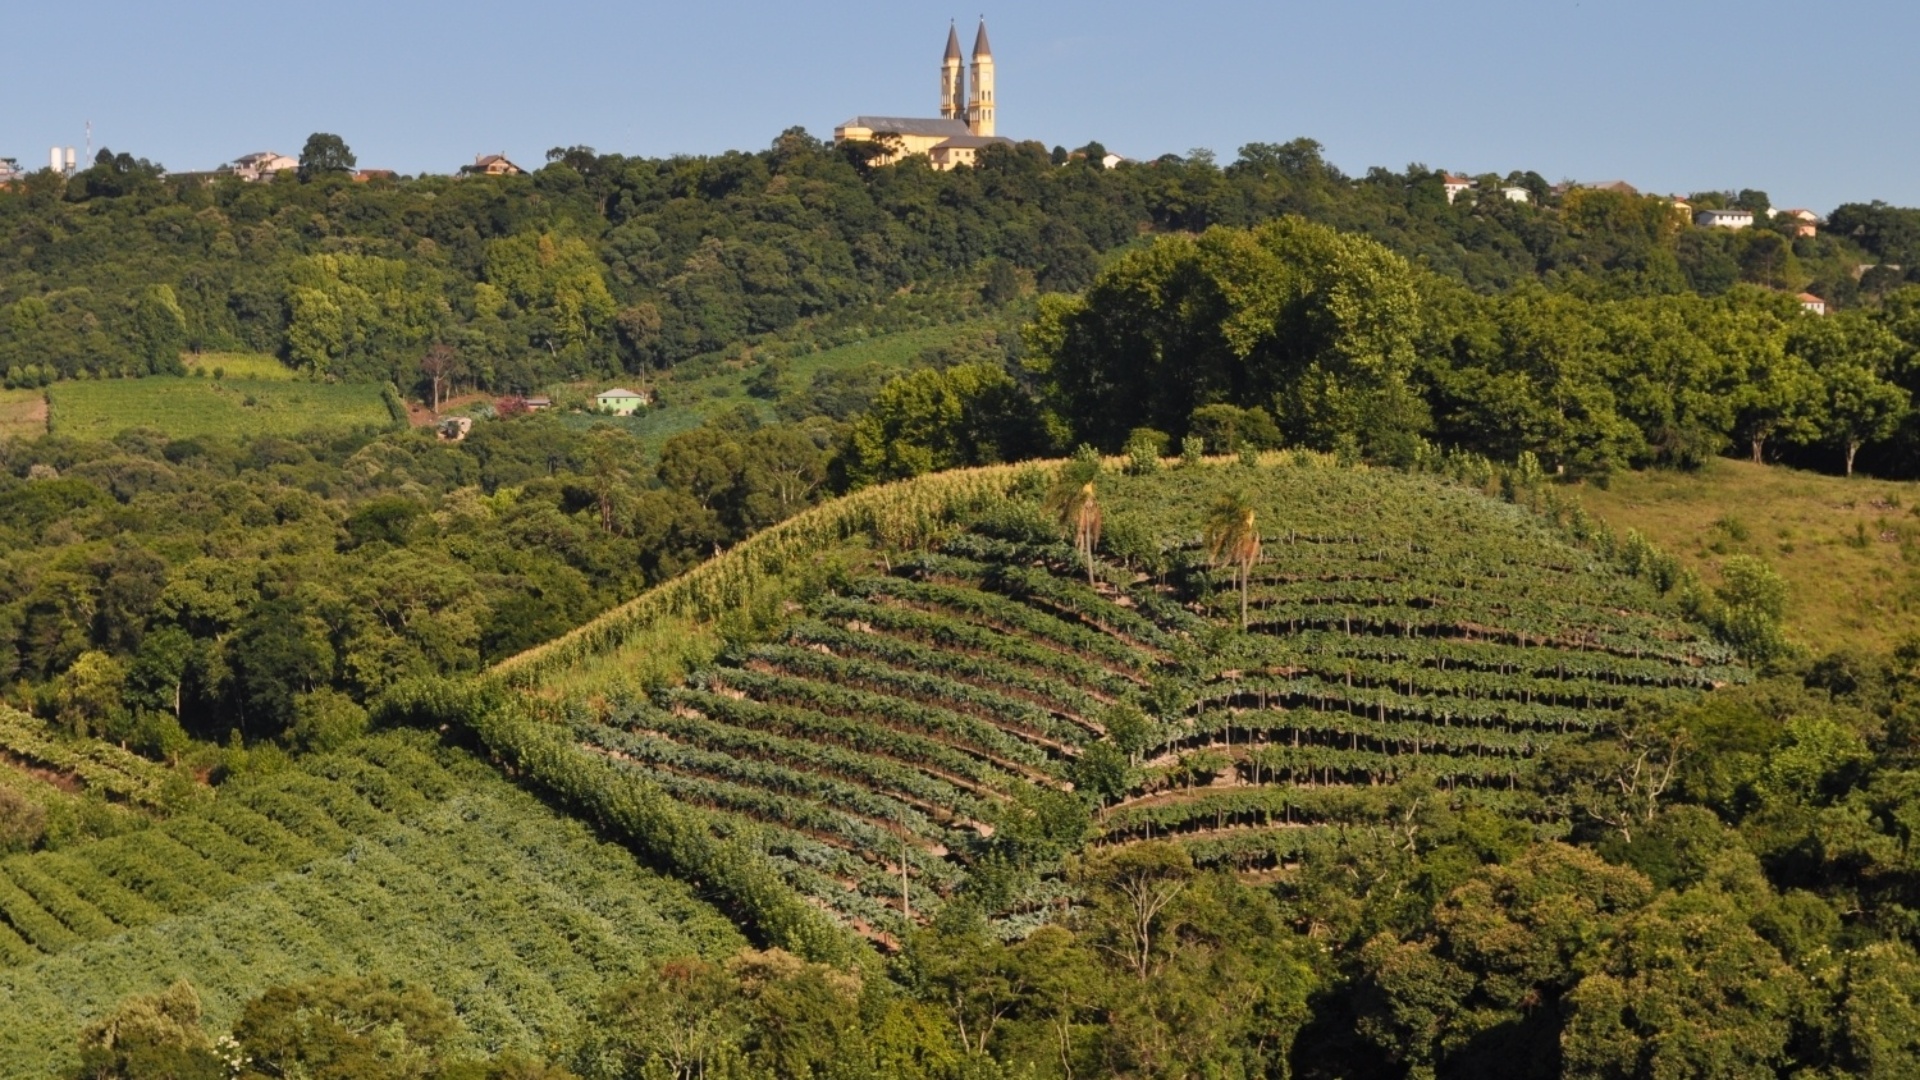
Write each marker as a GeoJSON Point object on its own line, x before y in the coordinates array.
{"type": "Point", "coordinates": [1232, 540]}
{"type": "Point", "coordinates": [1073, 501]}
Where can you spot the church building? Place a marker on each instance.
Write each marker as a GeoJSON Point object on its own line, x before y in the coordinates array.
{"type": "Point", "coordinates": [965, 123]}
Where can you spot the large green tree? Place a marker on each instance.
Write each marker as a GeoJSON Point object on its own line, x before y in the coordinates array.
{"type": "Point", "coordinates": [325, 155]}
{"type": "Point", "coordinates": [1317, 325]}
{"type": "Point", "coordinates": [973, 414]}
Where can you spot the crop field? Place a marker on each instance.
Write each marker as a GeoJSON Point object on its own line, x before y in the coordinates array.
{"type": "Point", "coordinates": [1414, 642]}
{"type": "Point", "coordinates": [396, 857]}
{"type": "Point", "coordinates": [1848, 548]}
{"type": "Point", "coordinates": [187, 406]}
{"type": "Point", "coordinates": [23, 414]}
{"type": "Point", "coordinates": [123, 788]}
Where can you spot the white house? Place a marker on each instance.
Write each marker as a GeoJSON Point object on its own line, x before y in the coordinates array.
{"type": "Point", "coordinates": [1113, 161]}
{"type": "Point", "coordinates": [1813, 303]}
{"type": "Point", "coordinates": [262, 166]}
{"type": "Point", "coordinates": [1724, 219]}
{"type": "Point", "coordinates": [620, 401]}
{"type": "Point", "coordinates": [1517, 194]}
{"type": "Point", "coordinates": [1455, 185]}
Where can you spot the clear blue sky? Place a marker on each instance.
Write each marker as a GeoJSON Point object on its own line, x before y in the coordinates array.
{"type": "Point", "coordinates": [1818, 104]}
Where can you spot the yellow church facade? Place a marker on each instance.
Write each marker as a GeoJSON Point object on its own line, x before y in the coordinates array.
{"type": "Point", "coordinates": [966, 121]}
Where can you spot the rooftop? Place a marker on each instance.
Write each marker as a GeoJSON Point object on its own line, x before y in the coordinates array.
{"type": "Point", "coordinates": [974, 142]}
{"type": "Point", "coordinates": [910, 125]}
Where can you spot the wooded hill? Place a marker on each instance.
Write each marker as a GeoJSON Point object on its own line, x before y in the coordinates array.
{"type": "Point", "coordinates": [1372, 756]}
{"type": "Point", "coordinates": [599, 264]}
{"type": "Point", "coordinates": [988, 766]}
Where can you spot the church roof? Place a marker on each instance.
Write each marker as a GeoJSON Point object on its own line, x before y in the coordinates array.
{"type": "Point", "coordinates": [980, 46]}
{"type": "Point", "coordinates": [909, 125]}
{"type": "Point", "coordinates": [973, 142]}
{"type": "Point", "coordinates": [953, 42]}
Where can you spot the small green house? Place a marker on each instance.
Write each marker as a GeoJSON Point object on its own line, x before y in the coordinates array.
{"type": "Point", "coordinates": [620, 401]}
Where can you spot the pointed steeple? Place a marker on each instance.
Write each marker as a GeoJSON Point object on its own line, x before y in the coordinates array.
{"type": "Point", "coordinates": [953, 79]}
{"type": "Point", "coordinates": [980, 85]}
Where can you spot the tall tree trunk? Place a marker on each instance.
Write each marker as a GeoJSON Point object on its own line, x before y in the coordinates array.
{"type": "Point", "coordinates": [1853, 447]}
{"type": "Point", "coordinates": [1757, 444]}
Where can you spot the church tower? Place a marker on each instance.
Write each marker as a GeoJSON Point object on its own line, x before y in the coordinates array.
{"type": "Point", "coordinates": [953, 80]}
{"type": "Point", "coordinates": [980, 105]}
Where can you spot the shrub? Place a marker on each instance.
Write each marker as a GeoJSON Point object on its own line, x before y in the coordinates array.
{"type": "Point", "coordinates": [1145, 448]}
{"type": "Point", "coordinates": [326, 720]}
{"type": "Point", "coordinates": [22, 822]}
{"type": "Point", "coordinates": [1192, 449]}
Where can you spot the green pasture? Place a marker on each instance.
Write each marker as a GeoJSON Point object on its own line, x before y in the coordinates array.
{"type": "Point", "coordinates": [183, 407]}
{"type": "Point", "coordinates": [703, 389]}
{"type": "Point", "coordinates": [233, 365]}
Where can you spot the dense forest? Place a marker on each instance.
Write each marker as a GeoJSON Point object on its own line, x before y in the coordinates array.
{"type": "Point", "coordinates": [159, 588]}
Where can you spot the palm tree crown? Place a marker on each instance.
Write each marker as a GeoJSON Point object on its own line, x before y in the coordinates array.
{"type": "Point", "coordinates": [1078, 509]}
{"type": "Point", "coordinates": [1232, 540]}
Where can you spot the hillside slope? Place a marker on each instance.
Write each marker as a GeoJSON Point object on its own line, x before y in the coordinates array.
{"type": "Point", "coordinates": [877, 712]}
{"type": "Point", "coordinates": [1847, 547]}
{"type": "Point", "coordinates": [397, 857]}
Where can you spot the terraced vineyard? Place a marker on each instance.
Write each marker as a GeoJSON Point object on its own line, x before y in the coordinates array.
{"type": "Point", "coordinates": [1410, 639]}
{"type": "Point", "coordinates": [33, 760]}
{"type": "Point", "coordinates": [847, 722]}
{"type": "Point", "coordinates": [397, 858]}
{"type": "Point", "coordinates": [59, 792]}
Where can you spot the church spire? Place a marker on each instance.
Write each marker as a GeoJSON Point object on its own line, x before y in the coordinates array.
{"type": "Point", "coordinates": [953, 79]}
{"type": "Point", "coordinates": [980, 106]}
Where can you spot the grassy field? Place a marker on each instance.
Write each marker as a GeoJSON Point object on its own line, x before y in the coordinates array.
{"type": "Point", "coordinates": [1849, 549]}
{"type": "Point", "coordinates": [238, 365]}
{"type": "Point", "coordinates": [183, 407]}
{"type": "Point", "coordinates": [704, 390]}
{"type": "Point", "coordinates": [23, 414]}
